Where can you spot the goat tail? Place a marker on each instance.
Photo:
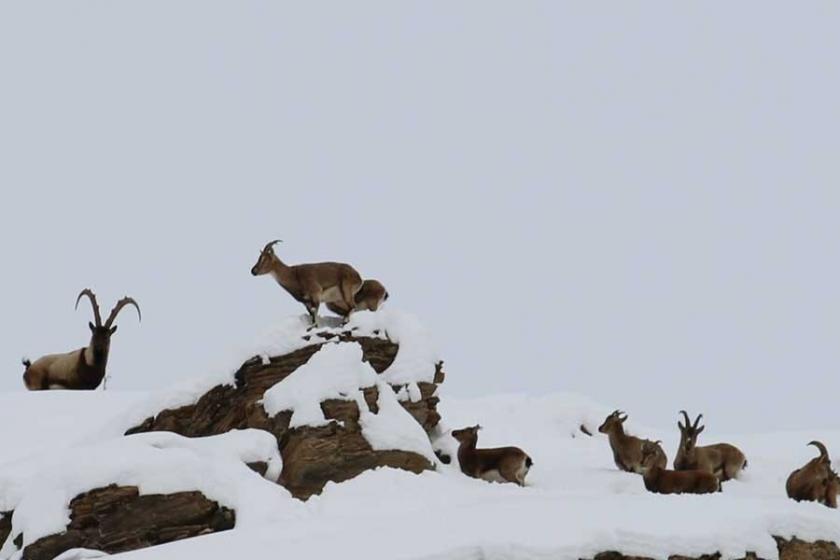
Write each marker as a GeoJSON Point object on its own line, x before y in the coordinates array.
{"type": "Point", "coordinates": [528, 461]}
{"type": "Point", "coordinates": [26, 362]}
{"type": "Point", "coordinates": [823, 451]}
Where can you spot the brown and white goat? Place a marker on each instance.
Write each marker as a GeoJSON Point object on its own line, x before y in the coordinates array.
{"type": "Point", "coordinates": [662, 481]}
{"type": "Point", "coordinates": [815, 481]}
{"type": "Point", "coordinates": [722, 459]}
{"type": "Point", "coordinates": [371, 295]}
{"type": "Point", "coordinates": [311, 284]}
{"type": "Point", "coordinates": [628, 450]}
{"type": "Point", "coordinates": [500, 464]}
{"type": "Point", "coordinates": [83, 368]}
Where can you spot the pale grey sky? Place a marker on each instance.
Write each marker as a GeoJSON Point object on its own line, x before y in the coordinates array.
{"type": "Point", "coordinates": [636, 201]}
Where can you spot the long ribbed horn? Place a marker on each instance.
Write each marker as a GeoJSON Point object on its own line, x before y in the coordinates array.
{"type": "Point", "coordinates": [116, 310]}
{"type": "Point", "coordinates": [93, 303]}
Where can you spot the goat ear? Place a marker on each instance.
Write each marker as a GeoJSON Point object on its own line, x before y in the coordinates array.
{"type": "Point", "coordinates": [113, 329]}
{"type": "Point", "coordinates": [680, 426]}
{"type": "Point", "coordinates": [700, 430]}
{"type": "Point", "coordinates": [91, 326]}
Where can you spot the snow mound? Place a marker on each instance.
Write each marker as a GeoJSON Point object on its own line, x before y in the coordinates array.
{"type": "Point", "coordinates": [417, 357]}
{"type": "Point", "coordinates": [40, 491]}
{"type": "Point", "coordinates": [336, 372]}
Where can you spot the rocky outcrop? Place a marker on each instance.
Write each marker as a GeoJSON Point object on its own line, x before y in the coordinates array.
{"type": "Point", "coordinates": [793, 549]}
{"type": "Point", "coordinates": [312, 456]}
{"type": "Point", "coordinates": [117, 519]}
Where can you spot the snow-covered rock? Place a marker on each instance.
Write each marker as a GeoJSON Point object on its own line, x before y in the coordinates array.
{"type": "Point", "coordinates": [130, 492]}
{"type": "Point", "coordinates": [339, 400]}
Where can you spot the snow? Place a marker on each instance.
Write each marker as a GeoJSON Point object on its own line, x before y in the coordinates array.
{"type": "Point", "coordinates": [417, 357]}
{"type": "Point", "coordinates": [576, 503]}
{"type": "Point", "coordinates": [335, 372]}
{"type": "Point", "coordinates": [392, 427]}
{"type": "Point", "coordinates": [80, 554]}
{"type": "Point", "coordinates": [60, 419]}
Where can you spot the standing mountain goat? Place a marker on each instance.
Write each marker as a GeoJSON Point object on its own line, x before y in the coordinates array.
{"type": "Point", "coordinates": [500, 464]}
{"type": "Point", "coordinates": [722, 459]}
{"type": "Point", "coordinates": [311, 284]}
{"type": "Point", "coordinates": [814, 482]}
{"type": "Point", "coordinates": [661, 481]}
{"type": "Point", "coordinates": [628, 450]}
{"type": "Point", "coordinates": [83, 368]}
{"type": "Point", "coordinates": [369, 297]}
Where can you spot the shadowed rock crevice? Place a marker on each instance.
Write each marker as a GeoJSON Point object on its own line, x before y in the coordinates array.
{"type": "Point", "coordinates": [312, 456]}
{"type": "Point", "coordinates": [117, 519]}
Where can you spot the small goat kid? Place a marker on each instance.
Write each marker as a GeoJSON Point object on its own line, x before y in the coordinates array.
{"type": "Point", "coordinates": [501, 464]}
{"type": "Point", "coordinates": [662, 481]}
{"type": "Point", "coordinates": [311, 284]}
{"type": "Point", "coordinates": [722, 459]}
{"type": "Point", "coordinates": [815, 481]}
{"type": "Point", "coordinates": [371, 295]}
{"type": "Point", "coordinates": [83, 368]}
{"type": "Point", "coordinates": [628, 450]}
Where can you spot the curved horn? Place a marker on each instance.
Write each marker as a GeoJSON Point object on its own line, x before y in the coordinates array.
{"type": "Point", "coordinates": [116, 310]}
{"type": "Point", "coordinates": [697, 422]}
{"type": "Point", "coordinates": [823, 451]}
{"type": "Point", "coordinates": [93, 303]}
{"type": "Point", "coordinates": [271, 244]}
{"type": "Point", "coordinates": [685, 416]}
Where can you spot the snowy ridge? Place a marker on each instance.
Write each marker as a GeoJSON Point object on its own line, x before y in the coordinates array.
{"type": "Point", "coordinates": [576, 503]}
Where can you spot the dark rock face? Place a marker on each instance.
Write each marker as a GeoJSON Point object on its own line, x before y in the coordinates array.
{"type": "Point", "coordinates": [793, 549]}
{"type": "Point", "coordinates": [312, 456]}
{"type": "Point", "coordinates": [5, 526]}
{"type": "Point", "coordinates": [117, 519]}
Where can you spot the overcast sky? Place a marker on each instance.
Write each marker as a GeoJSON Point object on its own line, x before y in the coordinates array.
{"type": "Point", "coordinates": [636, 201]}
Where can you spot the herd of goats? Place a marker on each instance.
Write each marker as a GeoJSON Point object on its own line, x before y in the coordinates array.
{"type": "Point", "coordinates": [697, 469]}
